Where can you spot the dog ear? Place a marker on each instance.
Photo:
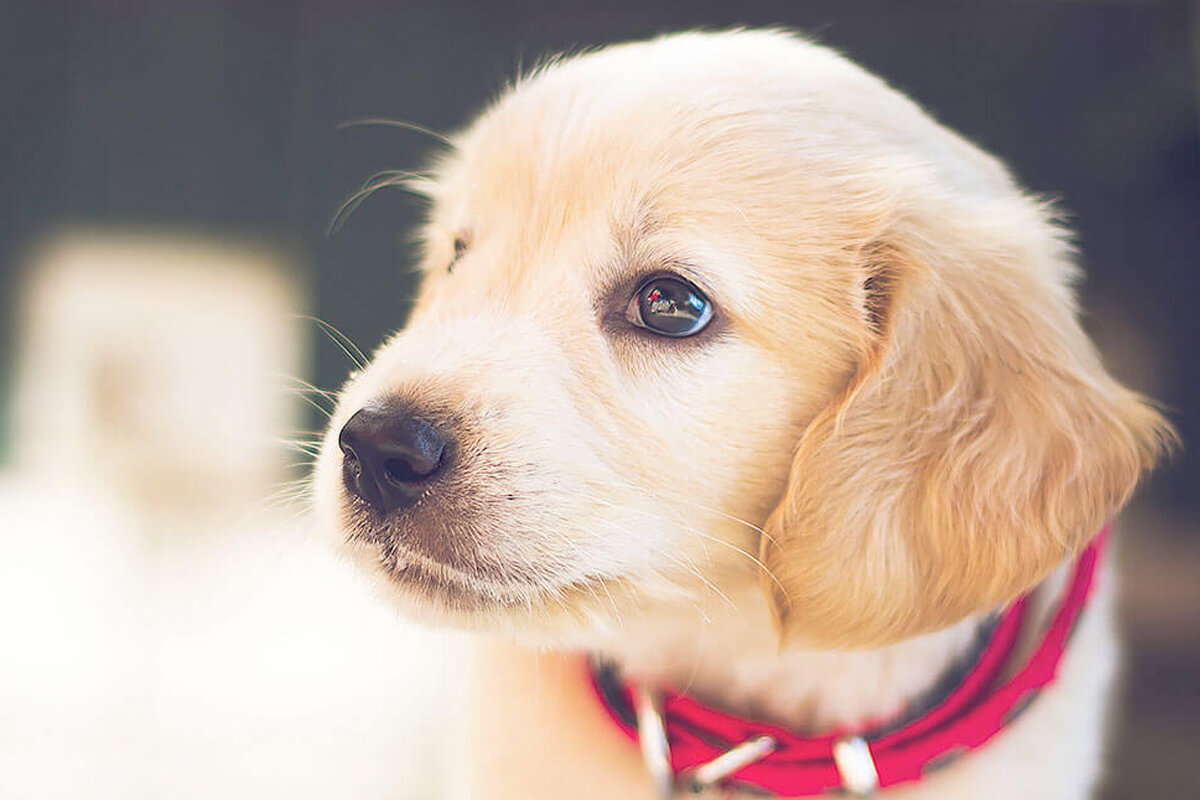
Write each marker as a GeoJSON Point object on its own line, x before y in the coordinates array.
{"type": "Point", "coordinates": [979, 444]}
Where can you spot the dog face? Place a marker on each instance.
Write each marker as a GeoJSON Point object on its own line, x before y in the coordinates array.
{"type": "Point", "coordinates": [721, 309]}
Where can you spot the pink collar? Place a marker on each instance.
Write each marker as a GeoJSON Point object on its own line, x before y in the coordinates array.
{"type": "Point", "coordinates": [698, 746]}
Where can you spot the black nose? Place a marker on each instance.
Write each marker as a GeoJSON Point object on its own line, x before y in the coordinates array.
{"type": "Point", "coordinates": [390, 455]}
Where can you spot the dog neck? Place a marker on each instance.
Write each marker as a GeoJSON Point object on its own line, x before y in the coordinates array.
{"type": "Point", "coordinates": [727, 655]}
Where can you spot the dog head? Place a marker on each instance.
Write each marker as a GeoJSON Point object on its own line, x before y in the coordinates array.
{"type": "Point", "coordinates": [718, 309]}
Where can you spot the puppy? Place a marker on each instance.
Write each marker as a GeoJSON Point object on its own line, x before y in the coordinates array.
{"type": "Point", "coordinates": [732, 368]}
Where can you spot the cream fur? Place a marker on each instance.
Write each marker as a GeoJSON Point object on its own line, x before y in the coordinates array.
{"type": "Point", "coordinates": [894, 425]}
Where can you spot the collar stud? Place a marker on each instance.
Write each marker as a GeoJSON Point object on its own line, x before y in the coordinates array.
{"type": "Point", "coordinates": [856, 765]}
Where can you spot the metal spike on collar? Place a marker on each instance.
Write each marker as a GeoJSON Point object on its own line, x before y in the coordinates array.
{"type": "Point", "coordinates": [652, 736]}
{"type": "Point", "coordinates": [656, 751]}
{"type": "Point", "coordinates": [856, 765]}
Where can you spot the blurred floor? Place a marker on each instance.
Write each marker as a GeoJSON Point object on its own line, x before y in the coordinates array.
{"type": "Point", "coordinates": [240, 660]}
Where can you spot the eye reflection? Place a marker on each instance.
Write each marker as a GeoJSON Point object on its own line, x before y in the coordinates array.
{"type": "Point", "coordinates": [670, 306]}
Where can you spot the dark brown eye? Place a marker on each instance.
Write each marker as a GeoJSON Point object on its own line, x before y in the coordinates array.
{"type": "Point", "coordinates": [669, 306]}
{"type": "Point", "coordinates": [460, 247]}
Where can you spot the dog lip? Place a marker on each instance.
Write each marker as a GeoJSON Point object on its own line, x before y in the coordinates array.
{"type": "Point", "coordinates": [397, 556]}
{"type": "Point", "coordinates": [448, 587]}
{"type": "Point", "coordinates": [437, 585]}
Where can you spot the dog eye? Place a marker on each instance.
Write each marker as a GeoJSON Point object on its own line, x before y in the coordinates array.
{"type": "Point", "coordinates": [670, 307]}
{"type": "Point", "coordinates": [460, 247]}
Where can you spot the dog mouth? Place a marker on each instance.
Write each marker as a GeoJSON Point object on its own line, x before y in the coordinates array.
{"type": "Point", "coordinates": [457, 578]}
{"type": "Point", "coordinates": [446, 586]}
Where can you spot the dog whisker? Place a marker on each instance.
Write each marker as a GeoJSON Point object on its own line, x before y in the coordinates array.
{"type": "Point", "coordinates": [612, 601]}
{"type": "Point", "coordinates": [347, 345]}
{"type": "Point", "coordinates": [731, 517]}
{"type": "Point", "coordinates": [755, 560]}
{"type": "Point", "coordinates": [309, 448]}
{"type": "Point", "coordinates": [397, 123]}
{"type": "Point", "coordinates": [410, 182]}
{"type": "Point", "coordinates": [314, 404]}
{"type": "Point", "coordinates": [303, 386]}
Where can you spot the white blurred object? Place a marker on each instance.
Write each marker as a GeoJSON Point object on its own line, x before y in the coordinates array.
{"type": "Point", "coordinates": [156, 362]}
{"type": "Point", "coordinates": [168, 632]}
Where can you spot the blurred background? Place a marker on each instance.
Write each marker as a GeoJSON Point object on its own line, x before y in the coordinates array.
{"type": "Point", "coordinates": [171, 171]}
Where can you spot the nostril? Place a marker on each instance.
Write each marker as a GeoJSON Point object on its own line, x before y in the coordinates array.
{"type": "Point", "coordinates": [399, 470]}
{"type": "Point", "coordinates": [417, 462]}
{"type": "Point", "coordinates": [349, 456]}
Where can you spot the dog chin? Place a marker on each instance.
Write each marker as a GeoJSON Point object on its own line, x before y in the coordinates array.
{"type": "Point", "coordinates": [440, 596]}
{"type": "Point", "coordinates": [540, 608]}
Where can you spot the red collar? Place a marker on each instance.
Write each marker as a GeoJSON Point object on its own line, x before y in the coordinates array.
{"type": "Point", "coordinates": [789, 765]}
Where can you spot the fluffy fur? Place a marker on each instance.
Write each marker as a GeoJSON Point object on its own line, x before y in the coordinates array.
{"type": "Point", "coordinates": [893, 425]}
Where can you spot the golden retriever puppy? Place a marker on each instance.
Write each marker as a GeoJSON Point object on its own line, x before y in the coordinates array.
{"type": "Point", "coordinates": [732, 368]}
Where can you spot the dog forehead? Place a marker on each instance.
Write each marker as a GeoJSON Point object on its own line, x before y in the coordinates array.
{"type": "Point", "coordinates": [583, 215]}
{"type": "Point", "coordinates": [554, 230]}
{"type": "Point", "coordinates": [592, 133]}
{"type": "Point", "coordinates": [660, 110]}
{"type": "Point", "coordinates": [544, 188]}
{"type": "Point", "coordinates": [555, 173]}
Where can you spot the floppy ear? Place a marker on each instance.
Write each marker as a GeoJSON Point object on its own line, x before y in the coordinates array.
{"type": "Point", "coordinates": [979, 445]}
